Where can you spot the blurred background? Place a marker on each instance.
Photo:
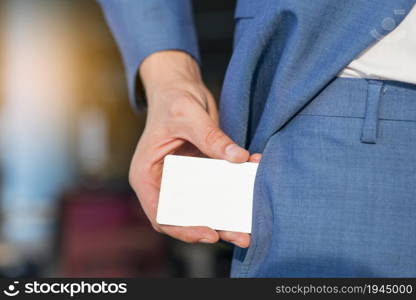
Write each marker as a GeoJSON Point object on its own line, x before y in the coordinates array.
{"type": "Point", "coordinates": [67, 134]}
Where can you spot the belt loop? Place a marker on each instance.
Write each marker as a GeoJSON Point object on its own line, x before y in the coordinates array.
{"type": "Point", "coordinates": [370, 123]}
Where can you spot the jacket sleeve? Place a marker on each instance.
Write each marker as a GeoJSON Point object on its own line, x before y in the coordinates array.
{"type": "Point", "coordinates": [142, 27]}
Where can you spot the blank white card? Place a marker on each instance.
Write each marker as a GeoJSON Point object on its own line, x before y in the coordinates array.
{"type": "Point", "coordinates": [206, 192]}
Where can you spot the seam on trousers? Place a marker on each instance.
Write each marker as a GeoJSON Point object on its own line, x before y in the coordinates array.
{"type": "Point", "coordinates": [251, 253]}
{"type": "Point", "coordinates": [370, 123]}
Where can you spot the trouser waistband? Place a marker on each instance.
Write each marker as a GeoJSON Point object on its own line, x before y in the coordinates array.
{"type": "Point", "coordinates": [369, 99]}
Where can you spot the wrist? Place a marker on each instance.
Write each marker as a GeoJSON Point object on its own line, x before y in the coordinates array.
{"type": "Point", "coordinates": [167, 69]}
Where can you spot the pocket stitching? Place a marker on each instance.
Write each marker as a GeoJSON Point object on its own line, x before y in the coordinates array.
{"type": "Point", "coordinates": [250, 254]}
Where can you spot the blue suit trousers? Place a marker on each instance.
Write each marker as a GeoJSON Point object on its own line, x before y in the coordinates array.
{"type": "Point", "coordinates": [335, 192]}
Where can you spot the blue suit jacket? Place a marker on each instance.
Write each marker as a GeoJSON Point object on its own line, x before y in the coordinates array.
{"type": "Point", "coordinates": [285, 51]}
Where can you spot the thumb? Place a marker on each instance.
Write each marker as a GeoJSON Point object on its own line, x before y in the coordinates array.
{"type": "Point", "coordinates": [205, 134]}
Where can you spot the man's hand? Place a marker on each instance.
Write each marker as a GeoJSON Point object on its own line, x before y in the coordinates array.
{"type": "Point", "coordinates": [182, 119]}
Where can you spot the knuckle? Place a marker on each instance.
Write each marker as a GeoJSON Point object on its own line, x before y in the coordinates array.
{"type": "Point", "coordinates": [213, 136]}
{"type": "Point", "coordinates": [189, 240]}
{"type": "Point", "coordinates": [137, 173]}
{"type": "Point", "coordinates": [181, 235]}
{"type": "Point", "coordinates": [156, 228]}
{"type": "Point", "coordinates": [177, 107]}
{"type": "Point", "coordinates": [131, 178]}
{"type": "Point", "coordinates": [175, 110]}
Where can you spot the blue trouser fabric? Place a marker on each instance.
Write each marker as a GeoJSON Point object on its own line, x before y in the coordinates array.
{"type": "Point", "coordinates": [335, 192]}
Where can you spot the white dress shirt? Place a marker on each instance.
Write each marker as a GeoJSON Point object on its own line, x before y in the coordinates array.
{"type": "Point", "coordinates": [392, 57]}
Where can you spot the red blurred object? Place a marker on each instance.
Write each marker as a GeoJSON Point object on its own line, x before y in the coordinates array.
{"type": "Point", "coordinates": [107, 234]}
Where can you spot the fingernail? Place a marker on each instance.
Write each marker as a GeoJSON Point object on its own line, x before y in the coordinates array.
{"type": "Point", "coordinates": [232, 150]}
{"type": "Point", "coordinates": [205, 241]}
